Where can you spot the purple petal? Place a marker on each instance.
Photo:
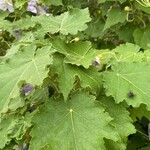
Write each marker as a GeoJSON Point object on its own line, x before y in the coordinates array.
{"type": "Point", "coordinates": [32, 9]}
{"type": "Point", "coordinates": [27, 89]}
{"type": "Point", "coordinates": [32, 6]}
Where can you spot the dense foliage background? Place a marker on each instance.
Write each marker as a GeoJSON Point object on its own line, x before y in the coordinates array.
{"type": "Point", "coordinates": [75, 74]}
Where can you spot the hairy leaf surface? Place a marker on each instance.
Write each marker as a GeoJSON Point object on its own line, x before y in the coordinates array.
{"type": "Point", "coordinates": [79, 124]}
{"type": "Point", "coordinates": [133, 78]}
{"type": "Point", "coordinates": [28, 65]}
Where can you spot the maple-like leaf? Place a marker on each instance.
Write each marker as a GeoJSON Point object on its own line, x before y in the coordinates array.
{"type": "Point", "coordinates": [68, 22]}
{"type": "Point", "coordinates": [121, 121]}
{"type": "Point", "coordinates": [80, 124]}
{"type": "Point", "coordinates": [79, 53]}
{"type": "Point", "coordinates": [127, 53]}
{"type": "Point", "coordinates": [67, 73]}
{"type": "Point", "coordinates": [129, 82]}
{"type": "Point", "coordinates": [27, 65]}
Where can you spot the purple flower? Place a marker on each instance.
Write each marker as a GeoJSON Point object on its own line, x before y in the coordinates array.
{"type": "Point", "coordinates": [6, 5]}
{"type": "Point", "coordinates": [35, 8]}
{"type": "Point", "coordinates": [32, 6]}
{"type": "Point", "coordinates": [27, 89]}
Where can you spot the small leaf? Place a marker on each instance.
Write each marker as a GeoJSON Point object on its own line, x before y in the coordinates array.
{"type": "Point", "coordinates": [114, 17]}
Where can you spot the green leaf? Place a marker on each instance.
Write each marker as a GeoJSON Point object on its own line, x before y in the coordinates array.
{"type": "Point", "coordinates": [79, 124]}
{"type": "Point", "coordinates": [125, 33]}
{"type": "Point", "coordinates": [129, 82]}
{"type": "Point", "coordinates": [127, 53]}
{"type": "Point", "coordinates": [114, 17]}
{"type": "Point", "coordinates": [138, 113]}
{"type": "Point", "coordinates": [13, 127]}
{"type": "Point", "coordinates": [23, 42]}
{"type": "Point", "coordinates": [20, 4]}
{"type": "Point", "coordinates": [68, 22]}
{"type": "Point", "coordinates": [67, 73]}
{"type": "Point", "coordinates": [121, 121]}
{"type": "Point", "coordinates": [27, 65]}
{"type": "Point", "coordinates": [142, 37]}
{"type": "Point", "coordinates": [78, 53]}
{"type": "Point", "coordinates": [52, 2]}
{"type": "Point", "coordinates": [103, 1]}
{"type": "Point", "coordinates": [95, 28]}
{"type": "Point", "coordinates": [123, 53]}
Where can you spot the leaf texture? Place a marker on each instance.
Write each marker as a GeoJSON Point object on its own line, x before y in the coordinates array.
{"type": "Point", "coordinates": [67, 73]}
{"type": "Point", "coordinates": [79, 124]}
{"type": "Point", "coordinates": [79, 53]}
{"type": "Point", "coordinates": [28, 65]}
{"type": "Point", "coordinates": [132, 78]}
{"type": "Point", "coordinates": [68, 22]}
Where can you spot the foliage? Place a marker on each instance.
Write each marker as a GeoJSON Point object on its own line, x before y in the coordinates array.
{"type": "Point", "coordinates": [74, 74]}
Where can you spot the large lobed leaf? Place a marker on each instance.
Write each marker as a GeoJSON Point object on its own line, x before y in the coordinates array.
{"type": "Point", "coordinates": [68, 22]}
{"type": "Point", "coordinates": [78, 124]}
{"type": "Point", "coordinates": [132, 78]}
{"type": "Point", "coordinates": [28, 65]}
{"type": "Point", "coordinates": [78, 53]}
{"type": "Point", "coordinates": [67, 73]}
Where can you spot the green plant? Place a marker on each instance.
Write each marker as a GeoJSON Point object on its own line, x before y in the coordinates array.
{"type": "Point", "coordinates": [74, 75]}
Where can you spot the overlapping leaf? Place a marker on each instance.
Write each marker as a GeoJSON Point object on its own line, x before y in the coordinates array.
{"type": "Point", "coordinates": [79, 124]}
{"type": "Point", "coordinates": [133, 78]}
{"type": "Point", "coordinates": [68, 22]}
{"type": "Point", "coordinates": [121, 121]}
{"type": "Point", "coordinates": [142, 37]}
{"type": "Point", "coordinates": [28, 65]}
{"type": "Point", "coordinates": [52, 2]}
{"type": "Point", "coordinates": [114, 17]}
{"type": "Point", "coordinates": [67, 73]}
{"type": "Point", "coordinates": [13, 127]}
{"type": "Point", "coordinates": [79, 53]}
